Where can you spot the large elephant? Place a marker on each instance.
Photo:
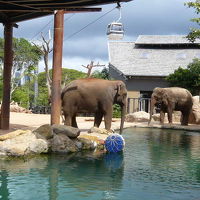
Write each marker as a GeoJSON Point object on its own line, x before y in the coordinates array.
{"type": "Point", "coordinates": [96, 96]}
{"type": "Point", "coordinates": [170, 99]}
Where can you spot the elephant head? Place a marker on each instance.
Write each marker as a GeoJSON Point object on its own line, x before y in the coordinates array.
{"type": "Point", "coordinates": [158, 97]}
{"type": "Point", "coordinates": [121, 99]}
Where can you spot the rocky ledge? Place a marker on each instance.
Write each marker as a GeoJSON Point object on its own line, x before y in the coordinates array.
{"type": "Point", "coordinates": [47, 139]}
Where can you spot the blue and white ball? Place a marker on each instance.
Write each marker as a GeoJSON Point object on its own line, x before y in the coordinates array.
{"type": "Point", "coordinates": [114, 143]}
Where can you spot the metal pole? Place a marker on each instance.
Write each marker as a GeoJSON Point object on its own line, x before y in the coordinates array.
{"type": "Point", "coordinates": [8, 62]}
{"type": "Point", "coordinates": [57, 67]}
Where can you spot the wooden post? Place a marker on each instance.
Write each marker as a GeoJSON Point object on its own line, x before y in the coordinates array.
{"type": "Point", "coordinates": [8, 62]}
{"type": "Point", "coordinates": [57, 67]}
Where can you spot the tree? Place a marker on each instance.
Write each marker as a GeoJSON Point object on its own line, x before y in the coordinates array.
{"type": "Point", "coordinates": [195, 32]}
{"type": "Point", "coordinates": [90, 66]}
{"type": "Point", "coordinates": [45, 50]}
{"type": "Point", "coordinates": [188, 78]}
{"type": "Point", "coordinates": [104, 74]}
{"type": "Point", "coordinates": [68, 75]}
{"type": "Point", "coordinates": [25, 56]}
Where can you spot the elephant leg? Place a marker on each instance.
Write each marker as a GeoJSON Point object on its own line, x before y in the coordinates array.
{"type": "Point", "coordinates": [68, 120]}
{"type": "Point", "coordinates": [74, 123]}
{"type": "Point", "coordinates": [108, 118]}
{"type": "Point", "coordinates": [169, 115]}
{"type": "Point", "coordinates": [98, 119]}
{"type": "Point", "coordinates": [162, 117]}
{"type": "Point", "coordinates": [170, 109]}
{"type": "Point", "coordinates": [185, 118]}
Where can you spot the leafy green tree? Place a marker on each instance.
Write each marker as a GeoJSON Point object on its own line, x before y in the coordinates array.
{"type": "Point", "coordinates": [21, 96]}
{"type": "Point", "coordinates": [68, 75]}
{"type": "Point", "coordinates": [188, 78]}
{"type": "Point", "coordinates": [25, 56]}
{"type": "Point", "coordinates": [195, 32]}
{"type": "Point", "coordinates": [104, 74]}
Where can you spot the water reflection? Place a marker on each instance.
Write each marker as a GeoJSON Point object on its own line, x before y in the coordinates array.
{"type": "Point", "coordinates": [82, 173]}
{"type": "Point", "coordinates": [156, 164]}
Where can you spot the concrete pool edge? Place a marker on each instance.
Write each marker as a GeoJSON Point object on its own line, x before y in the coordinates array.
{"type": "Point", "coordinates": [191, 127]}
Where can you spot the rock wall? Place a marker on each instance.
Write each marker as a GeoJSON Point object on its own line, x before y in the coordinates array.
{"type": "Point", "coordinates": [47, 138]}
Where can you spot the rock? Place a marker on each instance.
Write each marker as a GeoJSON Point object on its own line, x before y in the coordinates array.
{"type": "Point", "coordinates": [99, 131]}
{"type": "Point", "coordinates": [87, 144]}
{"type": "Point", "coordinates": [62, 143]}
{"type": "Point", "coordinates": [12, 134]}
{"type": "Point", "coordinates": [44, 132]}
{"type": "Point", "coordinates": [97, 139]}
{"type": "Point", "coordinates": [194, 117]}
{"type": "Point", "coordinates": [176, 117]}
{"type": "Point", "coordinates": [69, 131]}
{"type": "Point", "coordinates": [24, 144]}
{"type": "Point", "coordinates": [140, 116]}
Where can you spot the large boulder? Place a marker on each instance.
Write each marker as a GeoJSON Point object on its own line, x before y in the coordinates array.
{"type": "Point", "coordinates": [69, 131]}
{"type": "Point", "coordinates": [90, 141]}
{"type": "Point", "coordinates": [195, 114]}
{"type": "Point", "coordinates": [140, 116]}
{"type": "Point", "coordinates": [176, 117]}
{"type": "Point", "coordinates": [45, 132]}
{"type": "Point", "coordinates": [63, 144]}
{"type": "Point", "coordinates": [99, 130]}
{"type": "Point", "coordinates": [23, 144]}
{"type": "Point", "coordinates": [87, 144]}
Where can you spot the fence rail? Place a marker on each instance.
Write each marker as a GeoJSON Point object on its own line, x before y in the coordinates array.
{"type": "Point", "coordinates": [138, 104]}
{"type": "Point", "coordinates": [134, 105]}
{"type": "Point", "coordinates": [41, 109]}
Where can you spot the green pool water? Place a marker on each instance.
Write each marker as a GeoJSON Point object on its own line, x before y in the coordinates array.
{"type": "Point", "coordinates": [155, 165]}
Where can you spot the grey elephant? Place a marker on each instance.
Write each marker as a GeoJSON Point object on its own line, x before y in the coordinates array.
{"type": "Point", "coordinates": [96, 96]}
{"type": "Point", "coordinates": [172, 99]}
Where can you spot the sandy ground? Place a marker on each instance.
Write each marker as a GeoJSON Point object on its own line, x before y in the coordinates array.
{"type": "Point", "coordinates": [32, 121]}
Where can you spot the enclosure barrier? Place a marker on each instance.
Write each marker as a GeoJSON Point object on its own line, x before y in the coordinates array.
{"type": "Point", "coordinates": [134, 105]}
{"type": "Point", "coordinates": [138, 104]}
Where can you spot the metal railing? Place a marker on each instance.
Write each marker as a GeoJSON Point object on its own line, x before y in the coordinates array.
{"type": "Point", "coordinates": [134, 105]}
{"type": "Point", "coordinates": [138, 104]}
{"type": "Point", "coordinates": [41, 109]}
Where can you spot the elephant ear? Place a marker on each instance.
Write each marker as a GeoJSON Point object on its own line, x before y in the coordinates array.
{"type": "Point", "coordinates": [121, 89]}
{"type": "Point", "coordinates": [165, 97]}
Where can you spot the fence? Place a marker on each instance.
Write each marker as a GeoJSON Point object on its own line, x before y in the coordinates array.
{"type": "Point", "coordinates": [138, 104]}
{"type": "Point", "coordinates": [134, 105]}
{"type": "Point", "coordinates": [41, 109]}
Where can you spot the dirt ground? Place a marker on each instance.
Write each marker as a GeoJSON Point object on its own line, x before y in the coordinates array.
{"type": "Point", "coordinates": [32, 121]}
{"type": "Point", "coordinates": [27, 121]}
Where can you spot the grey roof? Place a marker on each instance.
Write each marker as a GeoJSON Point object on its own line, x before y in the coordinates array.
{"type": "Point", "coordinates": [131, 61]}
{"type": "Point", "coordinates": [163, 39]}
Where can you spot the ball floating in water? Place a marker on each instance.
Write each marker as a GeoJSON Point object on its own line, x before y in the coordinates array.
{"type": "Point", "coordinates": [114, 143]}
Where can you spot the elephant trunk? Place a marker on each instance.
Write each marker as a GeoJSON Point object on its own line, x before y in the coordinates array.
{"type": "Point", "coordinates": [152, 105]}
{"type": "Point", "coordinates": [123, 113]}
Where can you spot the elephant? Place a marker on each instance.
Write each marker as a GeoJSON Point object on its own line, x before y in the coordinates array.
{"type": "Point", "coordinates": [171, 99]}
{"type": "Point", "coordinates": [91, 95]}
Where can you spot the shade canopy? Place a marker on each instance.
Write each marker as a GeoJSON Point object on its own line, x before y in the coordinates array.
{"type": "Point", "coordinates": [19, 10]}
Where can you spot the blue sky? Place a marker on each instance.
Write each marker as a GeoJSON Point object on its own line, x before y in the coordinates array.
{"type": "Point", "coordinates": [139, 17]}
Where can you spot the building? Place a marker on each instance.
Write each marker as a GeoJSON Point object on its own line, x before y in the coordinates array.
{"type": "Point", "coordinates": [145, 63]}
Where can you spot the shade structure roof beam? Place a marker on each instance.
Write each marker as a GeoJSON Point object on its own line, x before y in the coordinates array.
{"type": "Point", "coordinates": [19, 10]}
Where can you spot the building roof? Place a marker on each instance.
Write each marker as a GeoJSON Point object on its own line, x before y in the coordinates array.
{"type": "Point", "coordinates": [130, 60]}
{"type": "Point", "coordinates": [19, 10]}
{"type": "Point", "coordinates": [163, 39]}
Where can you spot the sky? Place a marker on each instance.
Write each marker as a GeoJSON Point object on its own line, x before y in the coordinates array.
{"type": "Point", "coordinates": [85, 38]}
